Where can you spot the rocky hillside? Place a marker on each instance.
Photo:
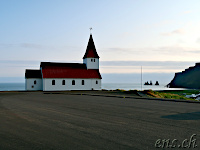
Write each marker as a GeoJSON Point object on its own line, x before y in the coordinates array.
{"type": "Point", "coordinates": [189, 78]}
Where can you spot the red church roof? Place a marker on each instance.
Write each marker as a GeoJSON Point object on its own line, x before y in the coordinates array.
{"type": "Point", "coordinates": [91, 50]}
{"type": "Point", "coordinates": [68, 70]}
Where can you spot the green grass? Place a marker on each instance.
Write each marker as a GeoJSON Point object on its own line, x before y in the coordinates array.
{"type": "Point", "coordinates": [168, 94]}
{"type": "Point", "coordinates": [172, 94]}
{"type": "Point", "coordinates": [187, 92]}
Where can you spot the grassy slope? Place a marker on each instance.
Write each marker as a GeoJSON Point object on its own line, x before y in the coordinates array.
{"type": "Point", "coordinates": [172, 94]}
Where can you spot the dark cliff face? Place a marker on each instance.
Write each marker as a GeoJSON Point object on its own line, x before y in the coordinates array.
{"type": "Point", "coordinates": [190, 78]}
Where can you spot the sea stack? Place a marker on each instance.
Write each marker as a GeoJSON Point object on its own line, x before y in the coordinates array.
{"type": "Point", "coordinates": [156, 83]}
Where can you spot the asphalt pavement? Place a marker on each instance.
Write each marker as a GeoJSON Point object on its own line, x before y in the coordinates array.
{"type": "Point", "coordinates": [37, 120]}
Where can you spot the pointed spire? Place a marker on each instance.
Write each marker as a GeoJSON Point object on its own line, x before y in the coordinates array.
{"type": "Point", "coordinates": [91, 50]}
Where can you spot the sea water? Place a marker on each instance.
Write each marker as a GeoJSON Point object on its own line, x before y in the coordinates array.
{"type": "Point", "coordinates": [136, 86]}
{"type": "Point", "coordinates": [107, 86]}
{"type": "Point", "coordinates": [12, 86]}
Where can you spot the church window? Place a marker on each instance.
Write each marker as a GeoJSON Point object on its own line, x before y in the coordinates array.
{"type": "Point", "coordinates": [53, 82]}
{"type": "Point", "coordinates": [35, 82]}
{"type": "Point", "coordinates": [73, 82]}
{"type": "Point", "coordinates": [91, 60]}
{"type": "Point", "coordinates": [63, 82]}
{"type": "Point", "coordinates": [83, 82]}
{"type": "Point", "coordinates": [96, 82]}
{"type": "Point", "coordinates": [94, 60]}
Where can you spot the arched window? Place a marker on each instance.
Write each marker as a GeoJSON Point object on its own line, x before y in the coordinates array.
{"type": "Point", "coordinates": [63, 82]}
{"type": "Point", "coordinates": [94, 60]}
{"type": "Point", "coordinates": [53, 82]}
{"type": "Point", "coordinates": [83, 82]}
{"type": "Point", "coordinates": [73, 82]}
{"type": "Point", "coordinates": [35, 82]}
{"type": "Point", "coordinates": [91, 60]}
{"type": "Point", "coordinates": [96, 82]}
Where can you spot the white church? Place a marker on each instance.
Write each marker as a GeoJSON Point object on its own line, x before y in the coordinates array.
{"type": "Point", "coordinates": [53, 76]}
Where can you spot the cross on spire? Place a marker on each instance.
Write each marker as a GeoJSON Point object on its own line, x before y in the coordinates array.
{"type": "Point", "coordinates": [90, 29]}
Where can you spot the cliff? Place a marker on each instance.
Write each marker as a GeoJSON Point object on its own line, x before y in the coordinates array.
{"type": "Point", "coordinates": [189, 78]}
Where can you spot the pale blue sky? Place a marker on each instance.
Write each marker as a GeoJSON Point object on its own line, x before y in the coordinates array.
{"type": "Point", "coordinates": [129, 32]}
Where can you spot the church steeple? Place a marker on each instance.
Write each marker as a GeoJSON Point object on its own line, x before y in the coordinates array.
{"type": "Point", "coordinates": [91, 58]}
{"type": "Point", "coordinates": [91, 50]}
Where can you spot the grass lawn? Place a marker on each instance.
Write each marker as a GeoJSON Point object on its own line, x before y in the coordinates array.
{"type": "Point", "coordinates": [172, 94]}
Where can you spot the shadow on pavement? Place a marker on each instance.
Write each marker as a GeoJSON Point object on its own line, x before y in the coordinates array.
{"type": "Point", "coordinates": [184, 116]}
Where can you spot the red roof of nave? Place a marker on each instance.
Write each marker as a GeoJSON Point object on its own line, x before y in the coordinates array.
{"type": "Point", "coordinates": [68, 70]}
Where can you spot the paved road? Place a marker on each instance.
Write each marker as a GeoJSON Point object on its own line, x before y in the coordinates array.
{"type": "Point", "coordinates": [60, 121]}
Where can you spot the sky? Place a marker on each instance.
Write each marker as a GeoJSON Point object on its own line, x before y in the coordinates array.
{"type": "Point", "coordinates": [162, 36]}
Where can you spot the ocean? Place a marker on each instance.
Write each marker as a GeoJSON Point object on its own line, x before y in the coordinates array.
{"type": "Point", "coordinates": [107, 86]}
{"type": "Point", "coordinates": [12, 86]}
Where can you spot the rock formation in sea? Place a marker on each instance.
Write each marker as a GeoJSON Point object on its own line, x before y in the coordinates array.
{"type": "Point", "coordinates": [189, 78]}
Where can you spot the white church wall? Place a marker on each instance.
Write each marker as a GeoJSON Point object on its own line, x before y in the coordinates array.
{"type": "Point", "coordinates": [33, 84]}
{"type": "Point", "coordinates": [96, 84]}
{"type": "Point", "coordinates": [91, 63]}
{"type": "Point", "coordinates": [88, 84]}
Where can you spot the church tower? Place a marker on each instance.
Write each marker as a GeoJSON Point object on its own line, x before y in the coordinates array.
{"type": "Point", "coordinates": [91, 58]}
